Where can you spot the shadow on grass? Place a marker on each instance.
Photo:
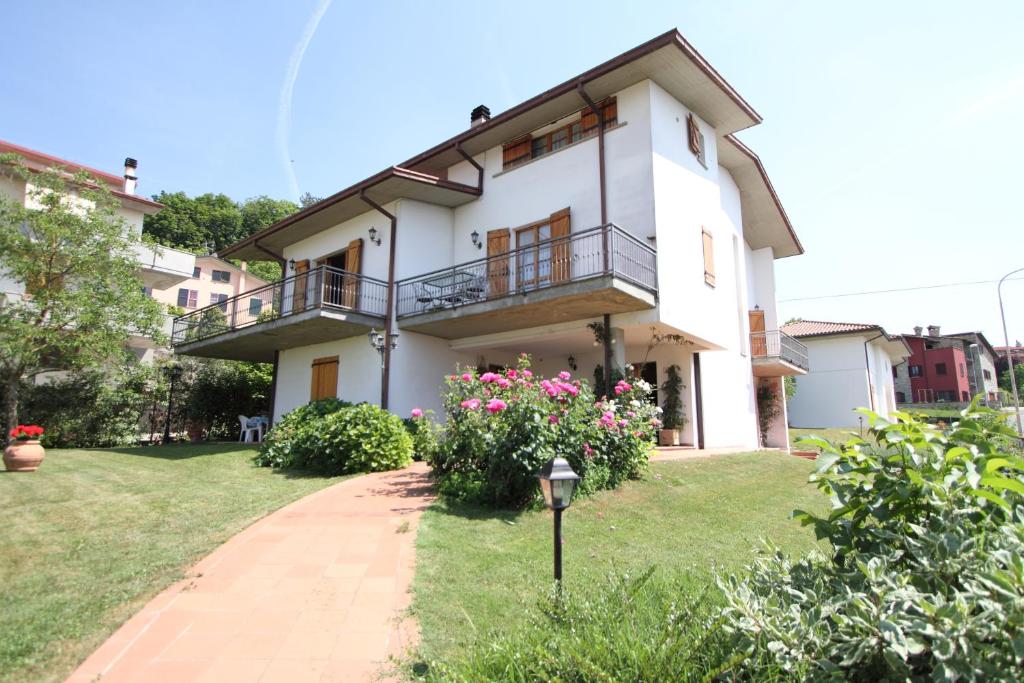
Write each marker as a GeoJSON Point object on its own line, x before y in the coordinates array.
{"type": "Point", "coordinates": [176, 451]}
{"type": "Point", "coordinates": [478, 512]}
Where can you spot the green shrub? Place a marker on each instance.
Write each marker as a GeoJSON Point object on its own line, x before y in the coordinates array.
{"type": "Point", "coordinates": [217, 392]}
{"type": "Point", "coordinates": [425, 433]}
{"type": "Point", "coordinates": [926, 580]}
{"type": "Point", "coordinates": [333, 437]}
{"type": "Point", "coordinates": [502, 428]}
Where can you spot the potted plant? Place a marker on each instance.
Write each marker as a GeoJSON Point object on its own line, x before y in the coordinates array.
{"type": "Point", "coordinates": [672, 419]}
{"type": "Point", "coordinates": [25, 452]}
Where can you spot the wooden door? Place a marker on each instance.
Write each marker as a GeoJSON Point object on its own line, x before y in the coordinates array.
{"type": "Point", "coordinates": [353, 264]}
{"type": "Point", "coordinates": [300, 284]}
{"type": "Point", "coordinates": [497, 268]}
{"type": "Point", "coordinates": [758, 342]}
{"type": "Point", "coordinates": [561, 249]}
{"type": "Point", "coordinates": [324, 380]}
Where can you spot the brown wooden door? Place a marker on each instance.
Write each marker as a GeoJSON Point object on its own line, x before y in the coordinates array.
{"type": "Point", "coordinates": [561, 249]}
{"type": "Point", "coordinates": [497, 268]}
{"type": "Point", "coordinates": [301, 282]}
{"type": "Point", "coordinates": [324, 380]}
{"type": "Point", "coordinates": [353, 264]}
{"type": "Point", "coordinates": [758, 343]}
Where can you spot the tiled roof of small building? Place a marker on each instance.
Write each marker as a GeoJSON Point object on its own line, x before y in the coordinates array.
{"type": "Point", "coordinates": [815, 328]}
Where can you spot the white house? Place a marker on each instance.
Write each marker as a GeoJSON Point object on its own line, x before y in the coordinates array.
{"type": "Point", "coordinates": [852, 366]}
{"type": "Point", "coordinates": [158, 268]}
{"type": "Point", "coordinates": [619, 197]}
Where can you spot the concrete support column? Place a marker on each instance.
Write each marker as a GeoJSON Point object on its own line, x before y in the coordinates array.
{"type": "Point", "coordinates": [618, 339]}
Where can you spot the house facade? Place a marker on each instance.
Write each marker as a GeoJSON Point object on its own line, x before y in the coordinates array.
{"type": "Point", "coordinates": [159, 268]}
{"type": "Point", "coordinates": [851, 367]}
{"type": "Point", "coordinates": [619, 200]}
{"type": "Point", "coordinates": [947, 368]}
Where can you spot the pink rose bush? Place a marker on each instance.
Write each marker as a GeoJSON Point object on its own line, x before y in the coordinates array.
{"type": "Point", "coordinates": [501, 427]}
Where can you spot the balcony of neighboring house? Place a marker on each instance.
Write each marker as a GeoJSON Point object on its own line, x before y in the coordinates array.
{"type": "Point", "coordinates": [161, 267]}
{"type": "Point", "coordinates": [776, 354]}
{"type": "Point", "coordinates": [319, 305]}
{"type": "Point", "coordinates": [542, 280]}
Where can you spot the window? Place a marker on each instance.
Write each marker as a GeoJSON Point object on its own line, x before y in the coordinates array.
{"type": "Point", "coordinates": [709, 257]}
{"type": "Point", "coordinates": [894, 373]}
{"type": "Point", "coordinates": [255, 306]}
{"type": "Point", "coordinates": [901, 397]}
{"type": "Point", "coordinates": [915, 370]}
{"type": "Point", "coordinates": [534, 267]}
{"type": "Point", "coordinates": [696, 140]}
{"type": "Point", "coordinates": [324, 381]}
{"type": "Point", "coordinates": [522, 149]}
{"type": "Point", "coordinates": [987, 374]}
{"type": "Point", "coordinates": [221, 276]}
{"type": "Point", "coordinates": [188, 298]}
{"type": "Point", "coordinates": [197, 271]}
{"type": "Point", "coordinates": [219, 299]}
{"type": "Point", "coordinates": [940, 368]}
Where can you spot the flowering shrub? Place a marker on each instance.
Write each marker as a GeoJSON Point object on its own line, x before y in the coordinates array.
{"type": "Point", "coordinates": [425, 433]}
{"type": "Point", "coordinates": [502, 427]}
{"type": "Point", "coordinates": [26, 432]}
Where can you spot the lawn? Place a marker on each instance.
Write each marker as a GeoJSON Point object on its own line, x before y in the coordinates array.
{"type": "Point", "coordinates": [94, 534]}
{"type": "Point", "coordinates": [830, 433]}
{"type": "Point", "coordinates": [479, 570]}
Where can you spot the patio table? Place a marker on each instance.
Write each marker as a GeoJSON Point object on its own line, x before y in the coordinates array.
{"type": "Point", "coordinates": [454, 287]}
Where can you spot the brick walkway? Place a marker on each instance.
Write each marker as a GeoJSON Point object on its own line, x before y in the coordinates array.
{"type": "Point", "coordinates": [312, 592]}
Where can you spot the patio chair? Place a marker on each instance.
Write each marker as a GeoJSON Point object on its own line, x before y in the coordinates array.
{"type": "Point", "coordinates": [425, 298]}
{"type": "Point", "coordinates": [476, 289]}
{"type": "Point", "coordinates": [250, 427]}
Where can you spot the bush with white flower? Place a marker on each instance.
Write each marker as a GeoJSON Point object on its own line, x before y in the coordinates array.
{"type": "Point", "coordinates": [501, 427]}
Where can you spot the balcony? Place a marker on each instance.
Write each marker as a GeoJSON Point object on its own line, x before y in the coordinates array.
{"type": "Point", "coordinates": [583, 275]}
{"type": "Point", "coordinates": [323, 304]}
{"type": "Point", "coordinates": [776, 354]}
{"type": "Point", "coordinates": [162, 267]}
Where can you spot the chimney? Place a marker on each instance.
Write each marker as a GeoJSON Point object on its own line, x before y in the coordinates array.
{"type": "Point", "coordinates": [918, 330]}
{"type": "Point", "coordinates": [479, 116]}
{"type": "Point", "coordinates": [933, 330]}
{"type": "Point", "coordinates": [130, 179]}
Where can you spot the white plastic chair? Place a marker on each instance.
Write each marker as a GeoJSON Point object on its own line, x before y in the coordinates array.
{"type": "Point", "coordinates": [249, 428]}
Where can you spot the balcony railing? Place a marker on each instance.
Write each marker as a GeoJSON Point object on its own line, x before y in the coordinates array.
{"type": "Point", "coordinates": [776, 344]}
{"type": "Point", "coordinates": [596, 252]}
{"type": "Point", "coordinates": [323, 288]}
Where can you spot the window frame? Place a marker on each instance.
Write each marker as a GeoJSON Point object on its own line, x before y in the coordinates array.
{"type": "Point", "coordinates": [915, 371]}
{"type": "Point", "coordinates": [191, 297]}
{"type": "Point", "coordinates": [220, 276]}
{"type": "Point", "coordinates": [196, 272]}
{"type": "Point", "coordinates": [524, 148]}
{"type": "Point", "coordinates": [941, 370]}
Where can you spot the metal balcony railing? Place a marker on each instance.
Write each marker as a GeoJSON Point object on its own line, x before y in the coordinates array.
{"type": "Point", "coordinates": [777, 344]}
{"type": "Point", "coordinates": [320, 288]}
{"type": "Point", "coordinates": [595, 252]}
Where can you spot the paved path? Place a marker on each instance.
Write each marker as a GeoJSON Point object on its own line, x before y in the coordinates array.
{"type": "Point", "coordinates": [312, 592]}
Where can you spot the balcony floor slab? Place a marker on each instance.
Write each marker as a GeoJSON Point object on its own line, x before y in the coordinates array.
{"type": "Point", "coordinates": [775, 366]}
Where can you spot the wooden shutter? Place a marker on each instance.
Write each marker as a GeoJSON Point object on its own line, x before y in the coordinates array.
{"type": "Point", "coordinates": [561, 249]}
{"type": "Point", "coordinates": [709, 258]}
{"type": "Point", "coordinates": [497, 268]}
{"type": "Point", "coordinates": [515, 152]}
{"type": "Point", "coordinates": [694, 134]}
{"type": "Point", "coordinates": [299, 286]}
{"type": "Point", "coordinates": [758, 343]}
{"type": "Point", "coordinates": [324, 379]}
{"type": "Point", "coordinates": [353, 266]}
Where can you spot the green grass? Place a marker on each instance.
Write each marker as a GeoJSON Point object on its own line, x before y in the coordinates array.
{"type": "Point", "coordinates": [830, 433]}
{"type": "Point", "coordinates": [479, 570]}
{"type": "Point", "coordinates": [94, 534]}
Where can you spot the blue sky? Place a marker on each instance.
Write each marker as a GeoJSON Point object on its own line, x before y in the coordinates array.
{"type": "Point", "coordinates": [892, 130]}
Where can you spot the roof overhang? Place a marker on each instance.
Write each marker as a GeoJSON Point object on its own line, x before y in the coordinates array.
{"type": "Point", "coordinates": [383, 188]}
{"type": "Point", "coordinates": [893, 344]}
{"type": "Point", "coordinates": [765, 223]}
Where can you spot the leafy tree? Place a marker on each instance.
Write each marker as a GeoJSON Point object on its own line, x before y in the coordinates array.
{"type": "Point", "coordinates": [1004, 378]}
{"type": "Point", "coordinates": [309, 199]}
{"type": "Point", "coordinates": [259, 212]}
{"type": "Point", "coordinates": [77, 260]}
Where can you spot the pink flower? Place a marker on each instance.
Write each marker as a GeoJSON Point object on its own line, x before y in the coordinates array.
{"type": "Point", "coordinates": [564, 375]}
{"type": "Point", "coordinates": [630, 414]}
{"type": "Point", "coordinates": [527, 373]}
{"type": "Point", "coordinates": [622, 386]}
{"type": "Point", "coordinates": [553, 419]}
{"type": "Point", "coordinates": [496, 405]}
{"type": "Point", "coordinates": [511, 373]}
{"type": "Point", "coordinates": [466, 377]}
{"type": "Point", "coordinates": [416, 412]}
{"type": "Point", "coordinates": [471, 404]}
{"type": "Point", "coordinates": [623, 423]}
{"type": "Point", "coordinates": [488, 377]}
{"type": "Point", "coordinates": [503, 383]}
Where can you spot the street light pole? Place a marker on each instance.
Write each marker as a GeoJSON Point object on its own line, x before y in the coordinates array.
{"type": "Point", "coordinates": [1009, 349]}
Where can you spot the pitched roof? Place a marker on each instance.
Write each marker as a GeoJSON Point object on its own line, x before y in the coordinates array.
{"type": "Point", "coordinates": [817, 328]}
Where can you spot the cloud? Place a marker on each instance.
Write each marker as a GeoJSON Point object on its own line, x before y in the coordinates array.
{"type": "Point", "coordinates": [284, 106]}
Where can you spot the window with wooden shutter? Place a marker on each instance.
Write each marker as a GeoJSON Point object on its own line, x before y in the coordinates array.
{"type": "Point", "coordinates": [353, 265]}
{"type": "Point", "coordinates": [527, 147]}
{"type": "Point", "coordinates": [300, 284]}
{"type": "Point", "coordinates": [498, 261]}
{"type": "Point", "coordinates": [561, 254]}
{"type": "Point", "coordinates": [324, 380]}
{"type": "Point", "coordinates": [515, 152]}
{"type": "Point", "coordinates": [709, 257]}
{"type": "Point", "coordinates": [696, 139]}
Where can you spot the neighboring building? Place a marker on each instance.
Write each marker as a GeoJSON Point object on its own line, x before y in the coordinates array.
{"type": "Point", "coordinates": [158, 268]}
{"type": "Point", "coordinates": [851, 367]}
{"type": "Point", "coordinates": [213, 281]}
{"type": "Point", "coordinates": [947, 368]}
{"type": "Point", "coordinates": [518, 232]}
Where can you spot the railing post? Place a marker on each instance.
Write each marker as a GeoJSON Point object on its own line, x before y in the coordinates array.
{"type": "Point", "coordinates": [604, 245]}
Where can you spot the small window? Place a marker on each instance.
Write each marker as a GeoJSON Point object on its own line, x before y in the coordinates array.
{"type": "Point", "coordinates": [255, 306]}
{"type": "Point", "coordinates": [527, 147]}
{"type": "Point", "coordinates": [915, 370]}
{"type": "Point", "coordinates": [987, 374]}
{"type": "Point", "coordinates": [221, 276]}
{"type": "Point", "coordinates": [901, 397]}
{"type": "Point", "coordinates": [219, 299]}
{"type": "Point", "coordinates": [709, 258]}
{"type": "Point", "coordinates": [559, 139]}
{"type": "Point", "coordinates": [188, 298]}
{"type": "Point", "coordinates": [894, 373]}
{"type": "Point", "coordinates": [940, 368]}
{"type": "Point", "coordinates": [696, 140]}
{"type": "Point", "coordinates": [197, 271]}
{"type": "Point", "coordinates": [539, 147]}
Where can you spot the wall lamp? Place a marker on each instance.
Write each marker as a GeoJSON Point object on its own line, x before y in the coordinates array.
{"type": "Point", "coordinates": [475, 236]}
{"type": "Point", "coordinates": [291, 264]}
{"type": "Point", "coordinates": [572, 363]}
{"type": "Point", "coordinates": [373, 236]}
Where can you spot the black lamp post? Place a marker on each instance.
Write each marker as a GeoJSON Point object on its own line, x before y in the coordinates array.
{"type": "Point", "coordinates": [558, 483]}
{"type": "Point", "coordinates": [171, 372]}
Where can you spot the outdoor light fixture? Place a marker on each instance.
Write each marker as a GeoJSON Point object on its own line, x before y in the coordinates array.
{"type": "Point", "coordinates": [291, 264]}
{"type": "Point", "coordinates": [571, 360]}
{"type": "Point", "coordinates": [475, 236]}
{"type": "Point", "coordinates": [173, 373]}
{"type": "Point", "coordinates": [380, 341]}
{"type": "Point", "coordinates": [373, 236]}
{"type": "Point", "coordinates": [558, 483]}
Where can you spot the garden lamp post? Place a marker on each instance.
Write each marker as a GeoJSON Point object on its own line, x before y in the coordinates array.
{"type": "Point", "coordinates": [382, 341]}
{"type": "Point", "coordinates": [1009, 350]}
{"type": "Point", "coordinates": [558, 483]}
{"type": "Point", "coordinates": [171, 372]}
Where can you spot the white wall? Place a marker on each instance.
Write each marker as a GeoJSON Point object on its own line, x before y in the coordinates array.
{"type": "Point", "coordinates": [836, 385]}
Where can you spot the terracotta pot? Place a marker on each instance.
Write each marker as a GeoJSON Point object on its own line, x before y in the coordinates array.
{"type": "Point", "coordinates": [23, 456]}
{"type": "Point", "coordinates": [668, 437]}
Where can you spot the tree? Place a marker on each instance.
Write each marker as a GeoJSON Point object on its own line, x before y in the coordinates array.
{"type": "Point", "coordinates": [76, 257]}
{"type": "Point", "coordinates": [309, 199]}
{"type": "Point", "coordinates": [1004, 377]}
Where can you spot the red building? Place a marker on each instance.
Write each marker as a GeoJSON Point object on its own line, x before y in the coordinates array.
{"type": "Point", "coordinates": [936, 374]}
